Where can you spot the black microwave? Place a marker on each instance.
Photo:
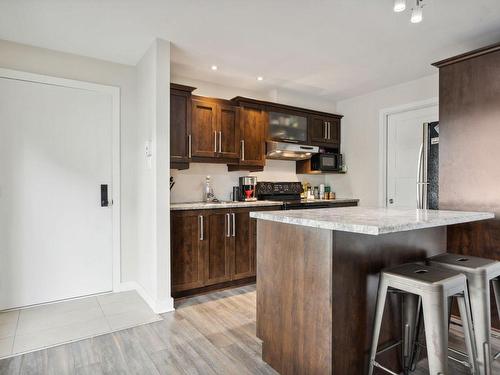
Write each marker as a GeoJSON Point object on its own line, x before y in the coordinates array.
{"type": "Point", "coordinates": [326, 162]}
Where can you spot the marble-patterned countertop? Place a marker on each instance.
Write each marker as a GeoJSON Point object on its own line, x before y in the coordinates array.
{"type": "Point", "coordinates": [222, 204]}
{"type": "Point", "coordinates": [374, 221]}
{"type": "Point", "coordinates": [263, 203]}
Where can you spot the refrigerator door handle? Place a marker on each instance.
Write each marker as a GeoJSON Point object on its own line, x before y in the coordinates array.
{"type": "Point", "coordinates": [419, 176]}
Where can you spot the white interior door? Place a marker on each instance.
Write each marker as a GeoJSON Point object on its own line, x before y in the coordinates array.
{"type": "Point", "coordinates": [56, 241]}
{"type": "Point", "coordinates": [404, 138]}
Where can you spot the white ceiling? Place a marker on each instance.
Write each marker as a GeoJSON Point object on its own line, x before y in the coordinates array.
{"type": "Point", "coordinates": [331, 48]}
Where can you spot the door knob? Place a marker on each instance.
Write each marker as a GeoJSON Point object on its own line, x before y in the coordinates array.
{"type": "Point", "coordinates": [391, 201]}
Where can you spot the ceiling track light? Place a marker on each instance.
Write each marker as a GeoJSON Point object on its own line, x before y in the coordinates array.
{"type": "Point", "coordinates": [399, 5]}
{"type": "Point", "coordinates": [416, 12]}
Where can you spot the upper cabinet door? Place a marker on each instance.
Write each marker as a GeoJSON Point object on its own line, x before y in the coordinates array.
{"type": "Point", "coordinates": [204, 128]}
{"type": "Point", "coordinates": [324, 131]}
{"type": "Point", "coordinates": [229, 132]}
{"type": "Point", "coordinates": [252, 130]}
{"type": "Point", "coordinates": [317, 130]}
{"type": "Point", "coordinates": [180, 125]}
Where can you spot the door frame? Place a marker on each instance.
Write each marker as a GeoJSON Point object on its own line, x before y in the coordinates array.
{"type": "Point", "coordinates": [114, 92]}
{"type": "Point", "coordinates": [383, 142]}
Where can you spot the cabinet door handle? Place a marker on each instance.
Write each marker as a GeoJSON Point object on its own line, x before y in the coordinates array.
{"type": "Point", "coordinates": [228, 234]}
{"type": "Point", "coordinates": [200, 223]}
{"type": "Point", "coordinates": [242, 150]}
{"type": "Point", "coordinates": [215, 141]}
{"type": "Point", "coordinates": [325, 130]}
{"type": "Point", "coordinates": [189, 146]}
{"type": "Point", "coordinates": [234, 224]}
{"type": "Point", "coordinates": [220, 141]}
{"type": "Point", "coordinates": [329, 130]}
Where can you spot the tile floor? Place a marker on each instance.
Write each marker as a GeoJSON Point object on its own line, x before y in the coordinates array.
{"type": "Point", "coordinates": [38, 327]}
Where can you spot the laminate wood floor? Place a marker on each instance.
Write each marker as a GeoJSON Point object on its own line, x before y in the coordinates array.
{"type": "Point", "coordinates": [210, 334]}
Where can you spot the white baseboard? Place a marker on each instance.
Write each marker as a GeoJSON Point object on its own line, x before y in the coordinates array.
{"type": "Point", "coordinates": [158, 306]}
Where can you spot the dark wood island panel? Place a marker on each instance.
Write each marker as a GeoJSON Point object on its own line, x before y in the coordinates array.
{"type": "Point", "coordinates": [316, 293]}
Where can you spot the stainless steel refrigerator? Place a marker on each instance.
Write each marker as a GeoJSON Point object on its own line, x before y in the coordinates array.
{"type": "Point", "coordinates": [428, 168]}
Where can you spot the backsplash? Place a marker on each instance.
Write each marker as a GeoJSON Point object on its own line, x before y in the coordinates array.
{"type": "Point", "coordinates": [189, 183]}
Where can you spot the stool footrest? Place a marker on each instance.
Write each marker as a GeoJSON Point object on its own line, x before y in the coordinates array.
{"type": "Point", "coordinates": [463, 363]}
{"type": "Point", "coordinates": [389, 371]}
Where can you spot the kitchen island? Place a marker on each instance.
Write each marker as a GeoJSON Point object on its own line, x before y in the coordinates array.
{"type": "Point", "coordinates": [317, 279]}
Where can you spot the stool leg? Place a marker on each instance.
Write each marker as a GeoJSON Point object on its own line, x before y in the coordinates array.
{"type": "Point", "coordinates": [377, 323]}
{"type": "Point", "coordinates": [496, 289]}
{"type": "Point", "coordinates": [479, 292]}
{"type": "Point", "coordinates": [410, 311]}
{"type": "Point", "coordinates": [435, 308]}
{"type": "Point", "coordinates": [465, 315]}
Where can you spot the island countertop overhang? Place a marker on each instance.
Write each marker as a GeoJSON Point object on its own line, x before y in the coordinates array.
{"type": "Point", "coordinates": [372, 221]}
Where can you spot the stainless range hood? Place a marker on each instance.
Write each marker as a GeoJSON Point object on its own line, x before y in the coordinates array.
{"type": "Point", "coordinates": [289, 151]}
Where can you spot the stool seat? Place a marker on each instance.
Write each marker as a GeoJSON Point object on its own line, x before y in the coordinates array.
{"type": "Point", "coordinates": [425, 278]}
{"type": "Point", "coordinates": [467, 264]}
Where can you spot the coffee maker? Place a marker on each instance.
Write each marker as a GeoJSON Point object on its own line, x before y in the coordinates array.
{"type": "Point", "coordinates": [247, 188]}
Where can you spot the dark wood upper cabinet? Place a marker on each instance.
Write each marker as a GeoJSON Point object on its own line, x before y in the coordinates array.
{"type": "Point", "coordinates": [252, 133]}
{"type": "Point", "coordinates": [188, 247]}
{"type": "Point", "coordinates": [229, 131]}
{"type": "Point", "coordinates": [324, 131]}
{"type": "Point", "coordinates": [204, 131]}
{"type": "Point", "coordinates": [234, 132]}
{"type": "Point", "coordinates": [180, 123]}
{"type": "Point", "coordinates": [218, 254]}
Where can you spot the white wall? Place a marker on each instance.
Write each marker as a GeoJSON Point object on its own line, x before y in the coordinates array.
{"type": "Point", "coordinates": [42, 61]}
{"type": "Point", "coordinates": [189, 183]}
{"type": "Point", "coordinates": [361, 136]}
{"type": "Point", "coordinates": [153, 99]}
{"type": "Point", "coordinates": [144, 192]}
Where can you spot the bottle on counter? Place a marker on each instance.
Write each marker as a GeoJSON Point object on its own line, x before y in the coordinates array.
{"type": "Point", "coordinates": [316, 192]}
{"type": "Point", "coordinates": [321, 191]}
{"type": "Point", "coordinates": [208, 191]}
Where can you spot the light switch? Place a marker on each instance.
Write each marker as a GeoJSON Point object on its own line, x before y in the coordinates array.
{"type": "Point", "coordinates": [148, 153]}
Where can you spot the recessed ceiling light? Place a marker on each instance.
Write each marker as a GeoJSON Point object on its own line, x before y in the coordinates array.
{"type": "Point", "coordinates": [214, 67]}
{"type": "Point", "coordinates": [399, 5]}
{"type": "Point", "coordinates": [260, 78]}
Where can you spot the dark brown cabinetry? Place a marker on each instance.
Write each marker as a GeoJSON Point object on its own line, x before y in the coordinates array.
{"type": "Point", "coordinates": [189, 240]}
{"type": "Point", "coordinates": [218, 255]}
{"type": "Point", "coordinates": [180, 125]}
{"type": "Point", "coordinates": [212, 248]}
{"type": "Point", "coordinates": [215, 129]}
{"type": "Point", "coordinates": [204, 128]}
{"type": "Point", "coordinates": [324, 131]}
{"type": "Point", "coordinates": [234, 132]}
{"type": "Point", "coordinates": [252, 130]}
{"type": "Point", "coordinates": [469, 133]}
{"type": "Point", "coordinates": [229, 131]}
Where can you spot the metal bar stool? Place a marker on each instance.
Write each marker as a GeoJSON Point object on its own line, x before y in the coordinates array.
{"type": "Point", "coordinates": [480, 272]}
{"type": "Point", "coordinates": [433, 286]}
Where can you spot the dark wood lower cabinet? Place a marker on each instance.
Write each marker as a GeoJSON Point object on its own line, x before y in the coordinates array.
{"type": "Point", "coordinates": [218, 255]}
{"type": "Point", "coordinates": [190, 247]}
{"type": "Point", "coordinates": [212, 249]}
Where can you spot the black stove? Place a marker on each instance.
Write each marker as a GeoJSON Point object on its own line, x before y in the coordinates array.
{"type": "Point", "coordinates": [288, 193]}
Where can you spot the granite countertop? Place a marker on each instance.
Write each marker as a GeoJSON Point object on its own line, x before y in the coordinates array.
{"type": "Point", "coordinates": [336, 200]}
{"type": "Point", "coordinates": [222, 204]}
{"type": "Point", "coordinates": [374, 221]}
{"type": "Point", "coordinates": [263, 203]}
